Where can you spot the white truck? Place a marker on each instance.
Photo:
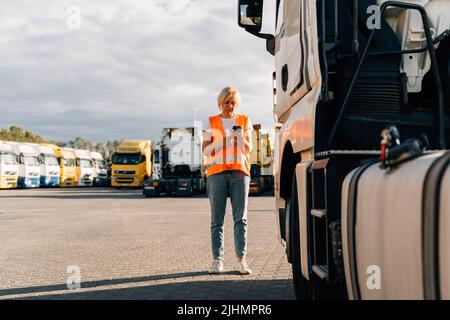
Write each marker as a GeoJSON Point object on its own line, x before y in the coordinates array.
{"type": "Point", "coordinates": [84, 168]}
{"type": "Point", "coordinates": [29, 165]}
{"type": "Point", "coordinates": [9, 166]}
{"type": "Point", "coordinates": [49, 165]}
{"type": "Point", "coordinates": [100, 172]}
{"type": "Point", "coordinates": [181, 170]}
{"type": "Point", "coordinates": [362, 214]}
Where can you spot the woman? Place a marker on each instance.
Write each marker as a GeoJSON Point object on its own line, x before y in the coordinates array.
{"type": "Point", "coordinates": [227, 146]}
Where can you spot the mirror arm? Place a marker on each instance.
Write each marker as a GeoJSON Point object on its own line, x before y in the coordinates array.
{"type": "Point", "coordinates": [270, 40]}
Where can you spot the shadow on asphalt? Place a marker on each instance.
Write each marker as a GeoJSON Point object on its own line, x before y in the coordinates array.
{"type": "Point", "coordinates": [87, 193]}
{"type": "Point", "coordinates": [189, 290]}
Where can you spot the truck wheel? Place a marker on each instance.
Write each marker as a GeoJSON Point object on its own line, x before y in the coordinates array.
{"type": "Point", "coordinates": [302, 287]}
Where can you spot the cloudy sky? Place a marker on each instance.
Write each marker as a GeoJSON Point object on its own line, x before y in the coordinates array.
{"type": "Point", "coordinates": [131, 68]}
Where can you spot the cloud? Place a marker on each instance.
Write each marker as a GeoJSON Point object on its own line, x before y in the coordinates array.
{"type": "Point", "coordinates": [132, 68]}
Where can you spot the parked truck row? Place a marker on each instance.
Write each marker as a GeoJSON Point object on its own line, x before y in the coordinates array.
{"type": "Point", "coordinates": [174, 165]}
{"type": "Point", "coordinates": [32, 165]}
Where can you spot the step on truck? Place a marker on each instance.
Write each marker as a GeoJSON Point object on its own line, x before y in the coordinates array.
{"type": "Point", "coordinates": [49, 165]}
{"type": "Point", "coordinates": [179, 160]}
{"type": "Point", "coordinates": [100, 172]}
{"type": "Point", "coordinates": [361, 165]}
{"type": "Point", "coordinates": [29, 166]}
{"type": "Point", "coordinates": [131, 163]}
{"type": "Point", "coordinates": [261, 170]}
{"type": "Point", "coordinates": [9, 166]}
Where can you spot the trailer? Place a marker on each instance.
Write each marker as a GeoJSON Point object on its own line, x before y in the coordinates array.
{"type": "Point", "coordinates": [178, 164]}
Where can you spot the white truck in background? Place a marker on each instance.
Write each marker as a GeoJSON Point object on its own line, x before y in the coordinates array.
{"type": "Point", "coordinates": [84, 168]}
{"type": "Point", "coordinates": [181, 170]}
{"type": "Point", "coordinates": [9, 166]}
{"type": "Point", "coordinates": [29, 166]}
{"type": "Point", "coordinates": [49, 165]}
{"type": "Point", "coordinates": [100, 171]}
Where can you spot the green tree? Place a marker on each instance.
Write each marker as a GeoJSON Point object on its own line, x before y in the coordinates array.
{"type": "Point", "coordinates": [17, 134]}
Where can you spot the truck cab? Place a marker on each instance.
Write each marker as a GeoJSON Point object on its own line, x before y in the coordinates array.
{"type": "Point", "coordinates": [131, 163]}
{"type": "Point", "coordinates": [100, 172]}
{"type": "Point", "coordinates": [345, 71]}
{"type": "Point", "coordinates": [9, 166]}
{"type": "Point", "coordinates": [66, 159]}
{"type": "Point", "coordinates": [49, 165]}
{"type": "Point", "coordinates": [84, 171]}
{"type": "Point", "coordinates": [179, 164]}
{"type": "Point", "coordinates": [29, 165]}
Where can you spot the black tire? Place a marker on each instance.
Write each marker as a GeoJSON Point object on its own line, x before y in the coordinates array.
{"type": "Point", "coordinates": [303, 288]}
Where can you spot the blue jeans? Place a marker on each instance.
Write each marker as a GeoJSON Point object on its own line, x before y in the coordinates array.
{"type": "Point", "coordinates": [236, 184]}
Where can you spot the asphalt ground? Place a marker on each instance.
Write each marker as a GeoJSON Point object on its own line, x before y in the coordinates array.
{"type": "Point", "coordinates": [94, 243]}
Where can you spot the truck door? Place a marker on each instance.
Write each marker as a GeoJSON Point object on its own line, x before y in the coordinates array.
{"type": "Point", "coordinates": [290, 80]}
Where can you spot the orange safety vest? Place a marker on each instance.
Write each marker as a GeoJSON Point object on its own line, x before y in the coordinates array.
{"type": "Point", "coordinates": [236, 159]}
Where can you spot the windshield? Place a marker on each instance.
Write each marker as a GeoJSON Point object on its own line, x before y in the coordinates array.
{"type": "Point", "coordinates": [69, 162]}
{"type": "Point", "coordinates": [126, 158]}
{"type": "Point", "coordinates": [51, 161]}
{"type": "Point", "coordinates": [101, 164]}
{"type": "Point", "coordinates": [85, 163]}
{"type": "Point", "coordinates": [30, 161]}
{"type": "Point", "coordinates": [8, 158]}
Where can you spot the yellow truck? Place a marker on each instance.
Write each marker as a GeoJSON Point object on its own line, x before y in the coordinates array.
{"type": "Point", "coordinates": [261, 162]}
{"type": "Point", "coordinates": [131, 163]}
{"type": "Point", "coordinates": [66, 158]}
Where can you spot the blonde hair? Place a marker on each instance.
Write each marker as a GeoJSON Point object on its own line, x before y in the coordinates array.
{"type": "Point", "coordinates": [228, 91]}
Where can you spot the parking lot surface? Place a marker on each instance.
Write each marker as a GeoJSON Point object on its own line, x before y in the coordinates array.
{"type": "Point", "coordinates": [121, 245]}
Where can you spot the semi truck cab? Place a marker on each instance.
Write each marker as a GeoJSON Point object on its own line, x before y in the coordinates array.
{"type": "Point", "coordinates": [29, 166]}
{"type": "Point", "coordinates": [100, 172]}
{"type": "Point", "coordinates": [345, 71]}
{"type": "Point", "coordinates": [131, 163]}
{"type": "Point", "coordinates": [9, 167]}
{"type": "Point", "coordinates": [84, 168]}
{"type": "Point", "coordinates": [66, 159]}
{"type": "Point", "coordinates": [49, 165]}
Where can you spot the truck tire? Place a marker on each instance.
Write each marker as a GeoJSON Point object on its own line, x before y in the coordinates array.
{"type": "Point", "coordinates": [302, 287]}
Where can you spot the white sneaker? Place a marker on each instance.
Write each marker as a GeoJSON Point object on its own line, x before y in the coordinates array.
{"type": "Point", "coordinates": [216, 267]}
{"type": "Point", "coordinates": [243, 267]}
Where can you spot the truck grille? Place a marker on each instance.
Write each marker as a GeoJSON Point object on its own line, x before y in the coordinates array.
{"type": "Point", "coordinates": [125, 180]}
{"type": "Point", "coordinates": [124, 172]}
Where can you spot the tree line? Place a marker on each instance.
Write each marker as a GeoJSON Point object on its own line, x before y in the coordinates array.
{"type": "Point", "coordinates": [17, 134]}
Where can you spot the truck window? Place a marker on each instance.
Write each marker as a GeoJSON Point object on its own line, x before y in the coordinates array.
{"type": "Point", "coordinates": [69, 162]}
{"type": "Point", "coordinates": [31, 161]}
{"type": "Point", "coordinates": [51, 161]}
{"type": "Point", "coordinates": [85, 163]}
{"type": "Point", "coordinates": [279, 17]}
{"type": "Point", "coordinates": [8, 158]}
{"type": "Point", "coordinates": [126, 158]}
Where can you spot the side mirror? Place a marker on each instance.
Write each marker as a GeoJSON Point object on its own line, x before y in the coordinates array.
{"type": "Point", "coordinates": [250, 15]}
